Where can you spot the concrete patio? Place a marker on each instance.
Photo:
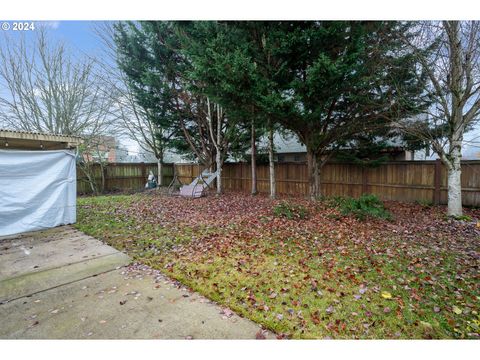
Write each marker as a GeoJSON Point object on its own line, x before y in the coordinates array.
{"type": "Point", "coordinates": [63, 284]}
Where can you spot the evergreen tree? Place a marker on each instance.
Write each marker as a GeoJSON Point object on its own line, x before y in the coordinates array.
{"type": "Point", "coordinates": [328, 82]}
{"type": "Point", "coordinates": [150, 66]}
{"type": "Point", "coordinates": [159, 72]}
{"type": "Point", "coordinates": [222, 70]}
{"type": "Point", "coordinates": [336, 80]}
{"type": "Point", "coordinates": [334, 84]}
{"type": "Point", "coordinates": [225, 57]}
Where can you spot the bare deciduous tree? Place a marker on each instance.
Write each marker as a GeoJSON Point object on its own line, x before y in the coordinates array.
{"type": "Point", "coordinates": [43, 89]}
{"type": "Point", "coordinates": [449, 54]}
{"type": "Point", "coordinates": [131, 120]}
{"type": "Point", "coordinates": [271, 163]}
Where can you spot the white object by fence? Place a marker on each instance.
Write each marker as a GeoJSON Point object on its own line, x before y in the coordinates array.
{"type": "Point", "coordinates": [199, 184]}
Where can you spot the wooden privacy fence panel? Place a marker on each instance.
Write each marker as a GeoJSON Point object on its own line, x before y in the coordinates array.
{"type": "Point", "coordinates": [399, 180]}
{"type": "Point", "coordinates": [187, 172]}
{"type": "Point", "coordinates": [470, 183]}
{"type": "Point", "coordinates": [408, 181]}
{"type": "Point", "coordinates": [123, 176]}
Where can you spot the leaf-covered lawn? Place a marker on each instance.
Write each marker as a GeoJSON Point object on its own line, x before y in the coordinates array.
{"type": "Point", "coordinates": [325, 276]}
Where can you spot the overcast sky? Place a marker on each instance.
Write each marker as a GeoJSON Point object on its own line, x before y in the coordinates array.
{"type": "Point", "coordinates": [80, 36]}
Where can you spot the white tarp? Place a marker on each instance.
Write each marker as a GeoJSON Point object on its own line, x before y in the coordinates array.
{"type": "Point", "coordinates": [37, 190]}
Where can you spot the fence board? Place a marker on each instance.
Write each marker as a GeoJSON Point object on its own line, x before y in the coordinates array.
{"type": "Point", "coordinates": [400, 180]}
{"type": "Point", "coordinates": [122, 176]}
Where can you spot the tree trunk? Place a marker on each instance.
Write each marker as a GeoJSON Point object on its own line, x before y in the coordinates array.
{"type": "Point", "coordinates": [455, 140]}
{"type": "Point", "coordinates": [313, 175]}
{"type": "Point", "coordinates": [160, 172]}
{"type": "Point", "coordinates": [86, 168]}
{"type": "Point", "coordinates": [218, 157]}
{"type": "Point", "coordinates": [454, 192]}
{"type": "Point", "coordinates": [273, 183]}
{"type": "Point", "coordinates": [102, 170]}
{"type": "Point", "coordinates": [454, 180]}
{"type": "Point", "coordinates": [254, 160]}
{"type": "Point", "coordinates": [218, 160]}
{"type": "Point", "coordinates": [217, 141]}
{"type": "Point", "coordinates": [90, 179]}
{"type": "Point", "coordinates": [212, 165]}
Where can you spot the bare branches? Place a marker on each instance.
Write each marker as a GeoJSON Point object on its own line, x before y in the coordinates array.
{"type": "Point", "coordinates": [130, 119]}
{"type": "Point", "coordinates": [47, 91]}
{"type": "Point", "coordinates": [449, 53]}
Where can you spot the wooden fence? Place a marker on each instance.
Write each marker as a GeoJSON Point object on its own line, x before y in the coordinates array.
{"type": "Point", "coordinates": [400, 180]}
{"type": "Point", "coordinates": [123, 176]}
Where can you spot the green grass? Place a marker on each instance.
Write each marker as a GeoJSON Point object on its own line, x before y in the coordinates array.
{"type": "Point", "coordinates": [100, 217]}
{"type": "Point", "coordinates": [305, 284]}
{"type": "Point", "coordinates": [298, 307]}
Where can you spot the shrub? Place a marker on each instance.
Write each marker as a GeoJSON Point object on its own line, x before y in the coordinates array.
{"type": "Point", "coordinates": [465, 218]}
{"type": "Point", "coordinates": [290, 211]}
{"type": "Point", "coordinates": [365, 206]}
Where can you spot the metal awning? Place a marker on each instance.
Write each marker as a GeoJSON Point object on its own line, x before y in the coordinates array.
{"type": "Point", "coordinates": [26, 140]}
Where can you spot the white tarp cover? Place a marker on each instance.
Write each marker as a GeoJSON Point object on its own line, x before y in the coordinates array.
{"type": "Point", "coordinates": [37, 190]}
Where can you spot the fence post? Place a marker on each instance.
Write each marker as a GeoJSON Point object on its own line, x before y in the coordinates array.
{"type": "Point", "coordinates": [437, 179]}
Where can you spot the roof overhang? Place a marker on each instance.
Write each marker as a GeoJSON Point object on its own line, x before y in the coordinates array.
{"type": "Point", "coordinates": [24, 140]}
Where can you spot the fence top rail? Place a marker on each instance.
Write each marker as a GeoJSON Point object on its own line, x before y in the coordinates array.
{"type": "Point", "coordinates": [403, 162]}
{"type": "Point", "coordinates": [419, 162]}
{"type": "Point", "coordinates": [132, 164]}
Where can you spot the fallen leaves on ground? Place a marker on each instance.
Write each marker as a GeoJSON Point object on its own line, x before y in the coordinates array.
{"type": "Point", "coordinates": [305, 278]}
{"type": "Point", "coordinates": [260, 335]}
{"type": "Point", "coordinates": [386, 295]}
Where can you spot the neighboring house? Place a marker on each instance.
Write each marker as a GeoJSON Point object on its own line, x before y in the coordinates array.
{"type": "Point", "coordinates": [130, 159]}
{"type": "Point", "coordinates": [121, 154]}
{"type": "Point", "coordinates": [101, 148]}
{"type": "Point", "coordinates": [289, 149]}
{"type": "Point", "coordinates": [172, 157]}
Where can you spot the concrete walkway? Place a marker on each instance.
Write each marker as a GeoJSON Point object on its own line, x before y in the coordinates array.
{"type": "Point", "coordinates": [63, 284]}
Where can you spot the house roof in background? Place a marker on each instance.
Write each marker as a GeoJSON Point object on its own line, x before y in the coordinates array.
{"type": "Point", "coordinates": [285, 142]}
{"type": "Point", "coordinates": [288, 143]}
{"type": "Point", "coordinates": [29, 140]}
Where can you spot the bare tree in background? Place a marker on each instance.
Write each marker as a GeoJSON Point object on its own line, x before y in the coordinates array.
{"type": "Point", "coordinates": [449, 54]}
{"type": "Point", "coordinates": [43, 89]}
{"type": "Point", "coordinates": [131, 120]}
{"type": "Point", "coordinates": [137, 126]}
